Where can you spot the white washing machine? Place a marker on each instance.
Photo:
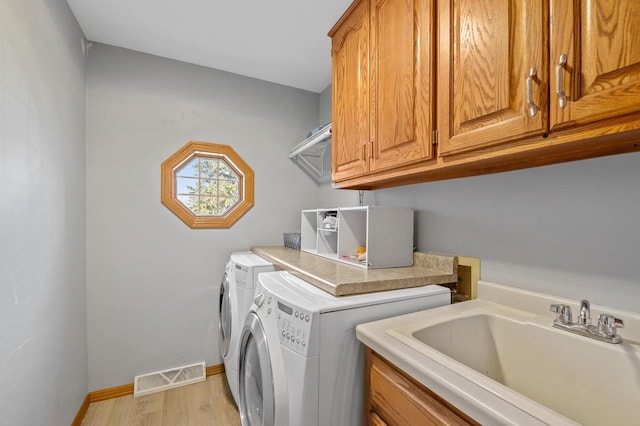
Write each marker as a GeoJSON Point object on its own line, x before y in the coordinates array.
{"type": "Point", "coordinates": [236, 295]}
{"type": "Point", "coordinates": [300, 361]}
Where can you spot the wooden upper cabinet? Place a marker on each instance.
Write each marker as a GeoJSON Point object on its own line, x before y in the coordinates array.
{"type": "Point", "coordinates": [600, 77]}
{"type": "Point", "coordinates": [382, 86]}
{"type": "Point", "coordinates": [501, 84]}
{"type": "Point", "coordinates": [350, 93]}
{"type": "Point", "coordinates": [493, 73]}
{"type": "Point", "coordinates": [402, 81]}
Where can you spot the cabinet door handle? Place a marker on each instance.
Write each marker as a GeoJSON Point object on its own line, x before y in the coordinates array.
{"type": "Point", "coordinates": [562, 98]}
{"type": "Point", "coordinates": [533, 108]}
{"type": "Point", "coordinates": [364, 152]}
{"type": "Point", "coordinates": [371, 151]}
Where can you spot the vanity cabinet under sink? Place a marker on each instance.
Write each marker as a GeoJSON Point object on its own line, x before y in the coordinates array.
{"type": "Point", "coordinates": [393, 398]}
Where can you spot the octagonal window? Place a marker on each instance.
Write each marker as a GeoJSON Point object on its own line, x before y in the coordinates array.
{"type": "Point", "coordinates": [207, 185]}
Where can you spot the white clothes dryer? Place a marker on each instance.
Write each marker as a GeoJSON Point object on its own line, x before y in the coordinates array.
{"type": "Point", "coordinates": [300, 361]}
{"type": "Point", "coordinates": [236, 295]}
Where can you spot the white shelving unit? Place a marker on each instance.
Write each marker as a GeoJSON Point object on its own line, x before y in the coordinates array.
{"type": "Point", "coordinates": [386, 232]}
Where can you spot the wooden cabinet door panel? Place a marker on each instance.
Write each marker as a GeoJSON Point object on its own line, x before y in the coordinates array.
{"type": "Point", "coordinates": [350, 94]}
{"type": "Point", "coordinates": [487, 49]}
{"type": "Point", "coordinates": [398, 401]}
{"type": "Point", "coordinates": [401, 82]}
{"type": "Point", "coordinates": [601, 77]}
{"type": "Point", "coordinates": [375, 420]}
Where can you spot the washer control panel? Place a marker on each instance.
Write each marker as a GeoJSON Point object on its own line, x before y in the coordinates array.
{"type": "Point", "coordinates": [294, 324]}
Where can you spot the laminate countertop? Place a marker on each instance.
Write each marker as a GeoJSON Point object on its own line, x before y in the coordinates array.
{"type": "Point", "coordinates": [341, 279]}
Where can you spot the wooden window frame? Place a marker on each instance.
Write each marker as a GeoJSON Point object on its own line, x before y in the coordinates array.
{"type": "Point", "coordinates": [168, 191]}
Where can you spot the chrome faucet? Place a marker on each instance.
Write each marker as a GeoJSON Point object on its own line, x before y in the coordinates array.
{"type": "Point", "coordinates": [605, 331]}
{"type": "Point", "coordinates": [585, 313]}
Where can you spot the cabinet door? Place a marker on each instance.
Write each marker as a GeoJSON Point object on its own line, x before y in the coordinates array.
{"type": "Point", "coordinates": [601, 75]}
{"type": "Point", "coordinates": [487, 50]}
{"type": "Point", "coordinates": [396, 400]}
{"type": "Point", "coordinates": [350, 93]}
{"type": "Point", "coordinates": [401, 82]}
{"type": "Point", "coordinates": [375, 420]}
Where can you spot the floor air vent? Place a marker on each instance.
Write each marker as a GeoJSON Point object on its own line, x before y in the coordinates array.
{"type": "Point", "coordinates": [168, 379]}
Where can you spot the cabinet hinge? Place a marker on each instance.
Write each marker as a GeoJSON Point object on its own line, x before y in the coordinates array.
{"type": "Point", "coordinates": [435, 137]}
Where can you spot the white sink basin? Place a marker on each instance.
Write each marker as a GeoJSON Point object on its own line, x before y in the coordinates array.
{"type": "Point", "coordinates": [518, 356]}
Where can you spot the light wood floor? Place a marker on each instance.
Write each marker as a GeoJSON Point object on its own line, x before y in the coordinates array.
{"type": "Point", "coordinates": [207, 403]}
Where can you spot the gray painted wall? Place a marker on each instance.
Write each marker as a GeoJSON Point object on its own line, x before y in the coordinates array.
{"type": "Point", "coordinates": [153, 283]}
{"type": "Point", "coordinates": [43, 346]}
{"type": "Point", "coordinates": [324, 106]}
{"type": "Point", "coordinates": [568, 229]}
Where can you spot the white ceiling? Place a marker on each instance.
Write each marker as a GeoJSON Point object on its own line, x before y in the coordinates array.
{"type": "Point", "coordinates": [282, 41]}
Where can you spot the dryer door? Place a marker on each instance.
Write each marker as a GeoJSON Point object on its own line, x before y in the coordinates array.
{"type": "Point", "coordinates": [256, 393]}
{"type": "Point", "coordinates": [225, 324]}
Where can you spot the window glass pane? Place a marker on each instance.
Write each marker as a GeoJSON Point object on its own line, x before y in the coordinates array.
{"type": "Point", "coordinates": [209, 168]}
{"type": "Point", "coordinates": [226, 172]}
{"type": "Point", "coordinates": [209, 206]}
{"type": "Point", "coordinates": [209, 187]}
{"type": "Point", "coordinates": [190, 202]}
{"type": "Point", "coordinates": [213, 192]}
{"type": "Point", "coordinates": [228, 188]}
{"type": "Point", "coordinates": [226, 204]}
{"type": "Point", "coordinates": [186, 186]}
{"type": "Point", "coordinates": [189, 169]}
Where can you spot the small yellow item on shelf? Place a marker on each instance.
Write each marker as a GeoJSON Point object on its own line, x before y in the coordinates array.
{"type": "Point", "coordinates": [361, 250]}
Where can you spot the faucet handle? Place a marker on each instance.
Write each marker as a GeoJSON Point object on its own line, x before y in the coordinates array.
{"type": "Point", "coordinates": [608, 324]}
{"type": "Point", "coordinates": [563, 313]}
